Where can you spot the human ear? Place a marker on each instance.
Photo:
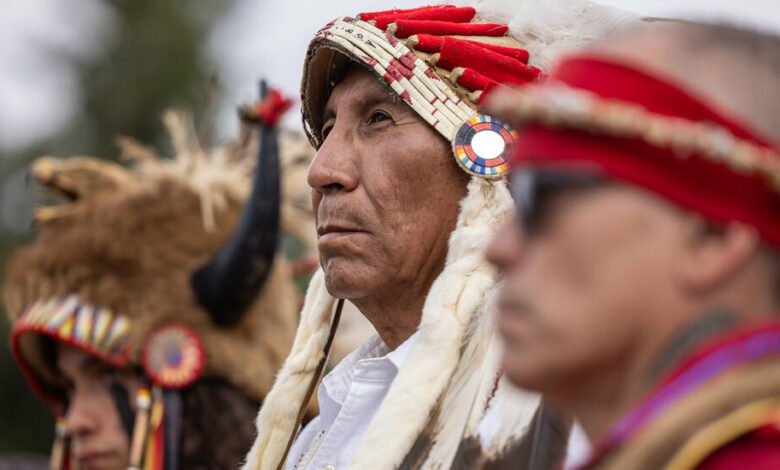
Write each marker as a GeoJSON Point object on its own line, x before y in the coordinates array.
{"type": "Point", "coordinates": [714, 254]}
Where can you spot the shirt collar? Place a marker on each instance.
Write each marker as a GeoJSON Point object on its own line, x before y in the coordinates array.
{"type": "Point", "coordinates": [335, 385]}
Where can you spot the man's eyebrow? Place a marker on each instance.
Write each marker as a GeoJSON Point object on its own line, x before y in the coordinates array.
{"type": "Point", "coordinates": [365, 102]}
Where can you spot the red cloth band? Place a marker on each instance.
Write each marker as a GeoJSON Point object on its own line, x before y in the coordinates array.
{"type": "Point", "coordinates": [406, 28]}
{"type": "Point", "coordinates": [459, 53]}
{"type": "Point", "coordinates": [430, 43]}
{"type": "Point", "coordinates": [452, 15]}
{"type": "Point", "coordinates": [711, 188]}
{"type": "Point", "coordinates": [404, 13]}
{"type": "Point", "coordinates": [475, 81]}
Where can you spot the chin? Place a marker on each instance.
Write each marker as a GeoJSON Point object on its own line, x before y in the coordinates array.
{"type": "Point", "coordinates": [523, 374]}
{"type": "Point", "coordinates": [344, 281]}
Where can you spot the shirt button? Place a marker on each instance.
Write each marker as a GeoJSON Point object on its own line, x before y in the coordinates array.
{"type": "Point", "coordinates": [329, 467]}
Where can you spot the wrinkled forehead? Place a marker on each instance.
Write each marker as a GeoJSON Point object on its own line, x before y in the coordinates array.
{"type": "Point", "coordinates": [327, 66]}
{"type": "Point", "coordinates": [358, 88]}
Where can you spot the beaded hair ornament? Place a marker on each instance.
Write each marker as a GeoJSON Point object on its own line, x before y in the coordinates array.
{"type": "Point", "coordinates": [438, 62]}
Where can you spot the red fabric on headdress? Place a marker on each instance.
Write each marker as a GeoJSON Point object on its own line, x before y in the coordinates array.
{"type": "Point", "coordinates": [458, 53]}
{"type": "Point", "coordinates": [452, 15]}
{"type": "Point", "coordinates": [711, 188]}
{"type": "Point", "coordinates": [430, 43]}
{"type": "Point", "coordinates": [406, 28]}
{"type": "Point", "coordinates": [474, 80]}
{"type": "Point", "coordinates": [372, 15]}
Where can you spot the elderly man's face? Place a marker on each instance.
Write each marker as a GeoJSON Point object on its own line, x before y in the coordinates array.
{"type": "Point", "coordinates": [583, 287]}
{"type": "Point", "coordinates": [385, 193]}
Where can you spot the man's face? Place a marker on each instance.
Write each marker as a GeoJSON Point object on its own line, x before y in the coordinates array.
{"type": "Point", "coordinates": [385, 193]}
{"type": "Point", "coordinates": [582, 284]}
{"type": "Point", "coordinates": [97, 438]}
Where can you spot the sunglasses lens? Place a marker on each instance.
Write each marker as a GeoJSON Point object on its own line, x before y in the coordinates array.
{"type": "Point", "coordinates": [534, 192]}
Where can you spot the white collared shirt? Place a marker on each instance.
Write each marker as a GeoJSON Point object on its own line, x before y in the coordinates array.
{"type": "Point", "coordinates": [349, 396]}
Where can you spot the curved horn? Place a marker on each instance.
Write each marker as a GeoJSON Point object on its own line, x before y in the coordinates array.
{"type": "Point", "coordinates": [228, 284]}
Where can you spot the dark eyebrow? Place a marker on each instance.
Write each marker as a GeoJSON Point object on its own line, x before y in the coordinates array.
{"type": "Point", "coordinates": [366, 102]}
{"type": "Point", "coordinates": [91, 362]}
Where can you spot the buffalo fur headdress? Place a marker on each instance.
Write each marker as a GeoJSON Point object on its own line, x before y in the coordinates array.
{"type": "Point", "coordinates": [435, 59]}
{"type": "Point", "coordinates": [116, 259]}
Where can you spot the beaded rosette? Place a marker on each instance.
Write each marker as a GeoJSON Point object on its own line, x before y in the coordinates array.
{"type": "Point", "coordinates": [173, 356]}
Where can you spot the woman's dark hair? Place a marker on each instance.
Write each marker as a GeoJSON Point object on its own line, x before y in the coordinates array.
{"type": "Point", "coordinates": [217, 426]}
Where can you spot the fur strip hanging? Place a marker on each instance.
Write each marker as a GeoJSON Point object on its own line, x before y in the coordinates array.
{"type": "Point", "coordinates": [276, 421]}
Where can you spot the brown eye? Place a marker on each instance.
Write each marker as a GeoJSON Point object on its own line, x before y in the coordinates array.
{"type": "Point", "coordinates": [379, 116]}
{"type": "Point", "coordinates": [325, 131]}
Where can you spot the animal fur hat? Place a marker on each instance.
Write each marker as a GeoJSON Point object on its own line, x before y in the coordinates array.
{"type": "Point", "coordinates": [116, 262]}
{"type": "Point", "coordinates": [439, 60]}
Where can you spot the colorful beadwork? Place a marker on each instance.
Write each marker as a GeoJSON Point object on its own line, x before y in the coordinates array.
{"type": "Point", "coordinates": [454, 57]}
{"type": "Point", "coordinates": [173, 356]}
{"type": "Point", "coordinates": [483, 145]}
{"type": "Point", "coordinates": [70, 320]}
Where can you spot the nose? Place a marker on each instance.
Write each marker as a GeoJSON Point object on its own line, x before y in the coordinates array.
{"type": "Point", "coordinates": [506, 248]}
{"type": "Point", "coordinates": [334, 166]}
{"type": "Point", "coordinates": [80, 418]}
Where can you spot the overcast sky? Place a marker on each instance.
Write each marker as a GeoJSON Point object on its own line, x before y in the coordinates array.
{"type": "Point", "coordinates": [255, 38]}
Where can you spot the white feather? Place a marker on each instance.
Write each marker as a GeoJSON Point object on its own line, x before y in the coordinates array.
{"type": "Point", "coordinates": [551, 28]}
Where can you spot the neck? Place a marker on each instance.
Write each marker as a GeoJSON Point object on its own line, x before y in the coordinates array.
{"type": "Point", "coordinates": [600, 403]}
{"type": "Point", "coordinates": [395, 320]}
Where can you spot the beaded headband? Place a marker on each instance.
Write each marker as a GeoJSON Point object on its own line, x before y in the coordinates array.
{"type": "Point", "coordinates": [435, 70]}
{"type": "Point", "coordinates": [99, 331]}
{"type": "Point", "coordinates": [173, 354]}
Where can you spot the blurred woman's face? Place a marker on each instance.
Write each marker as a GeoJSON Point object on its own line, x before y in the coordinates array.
{"type": "Point", "coordinates": [98, 440]}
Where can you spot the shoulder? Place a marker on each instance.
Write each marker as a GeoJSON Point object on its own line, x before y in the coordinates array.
{"type": "Point", "coordinates": [757, 450]}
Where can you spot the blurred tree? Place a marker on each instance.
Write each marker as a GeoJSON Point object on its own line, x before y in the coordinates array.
{"type": "Point", "coordinates": [155, 61]}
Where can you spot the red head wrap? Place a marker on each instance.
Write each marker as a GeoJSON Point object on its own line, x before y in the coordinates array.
{"type": "Point", "coordinates": [647, 131]}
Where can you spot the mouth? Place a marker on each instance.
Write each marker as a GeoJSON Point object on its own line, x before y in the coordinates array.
{"type": "Point", "coordinates": [95, 460]}
{"type": "Point", "coordinates": [511, 314]}
{"type": "Point", "coordinates": [334, 231]}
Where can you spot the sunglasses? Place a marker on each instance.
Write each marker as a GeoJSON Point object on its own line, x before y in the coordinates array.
{"type": "Point", "coordinates": [536, 192]}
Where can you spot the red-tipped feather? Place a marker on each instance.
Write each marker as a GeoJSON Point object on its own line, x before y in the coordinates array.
{"type": "Point", "coordinates": [374, 14]}
{"type": "Point", "coordinates": [452, 15]}
{"type": "Point", "coordinates": [474, 80]}
{"type": "Point", "coordinates": [406, 28]}
{"type": "Point", "coordinates": [515, 53]}
{"type": "Point", "coordinates": [455, 53]}
{"type": "Point", "coordinates": [430, 43]}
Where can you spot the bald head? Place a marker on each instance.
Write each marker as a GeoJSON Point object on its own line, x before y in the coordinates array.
{"type": "Point", "coordinates": [736, 69]}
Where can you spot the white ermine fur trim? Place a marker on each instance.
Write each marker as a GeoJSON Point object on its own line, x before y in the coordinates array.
{"type": "Point", "coordinates": [550, 28]}
{"type": "Point", "coordinates": [279, 411]}
{"type": "Point", "coordinates": [452, 303]}
{"type": "Point", "coordinates": [467, 396]}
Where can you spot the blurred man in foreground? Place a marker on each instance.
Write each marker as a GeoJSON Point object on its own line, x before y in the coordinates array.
{"type": "Point", "coordinates": [642, 269]}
